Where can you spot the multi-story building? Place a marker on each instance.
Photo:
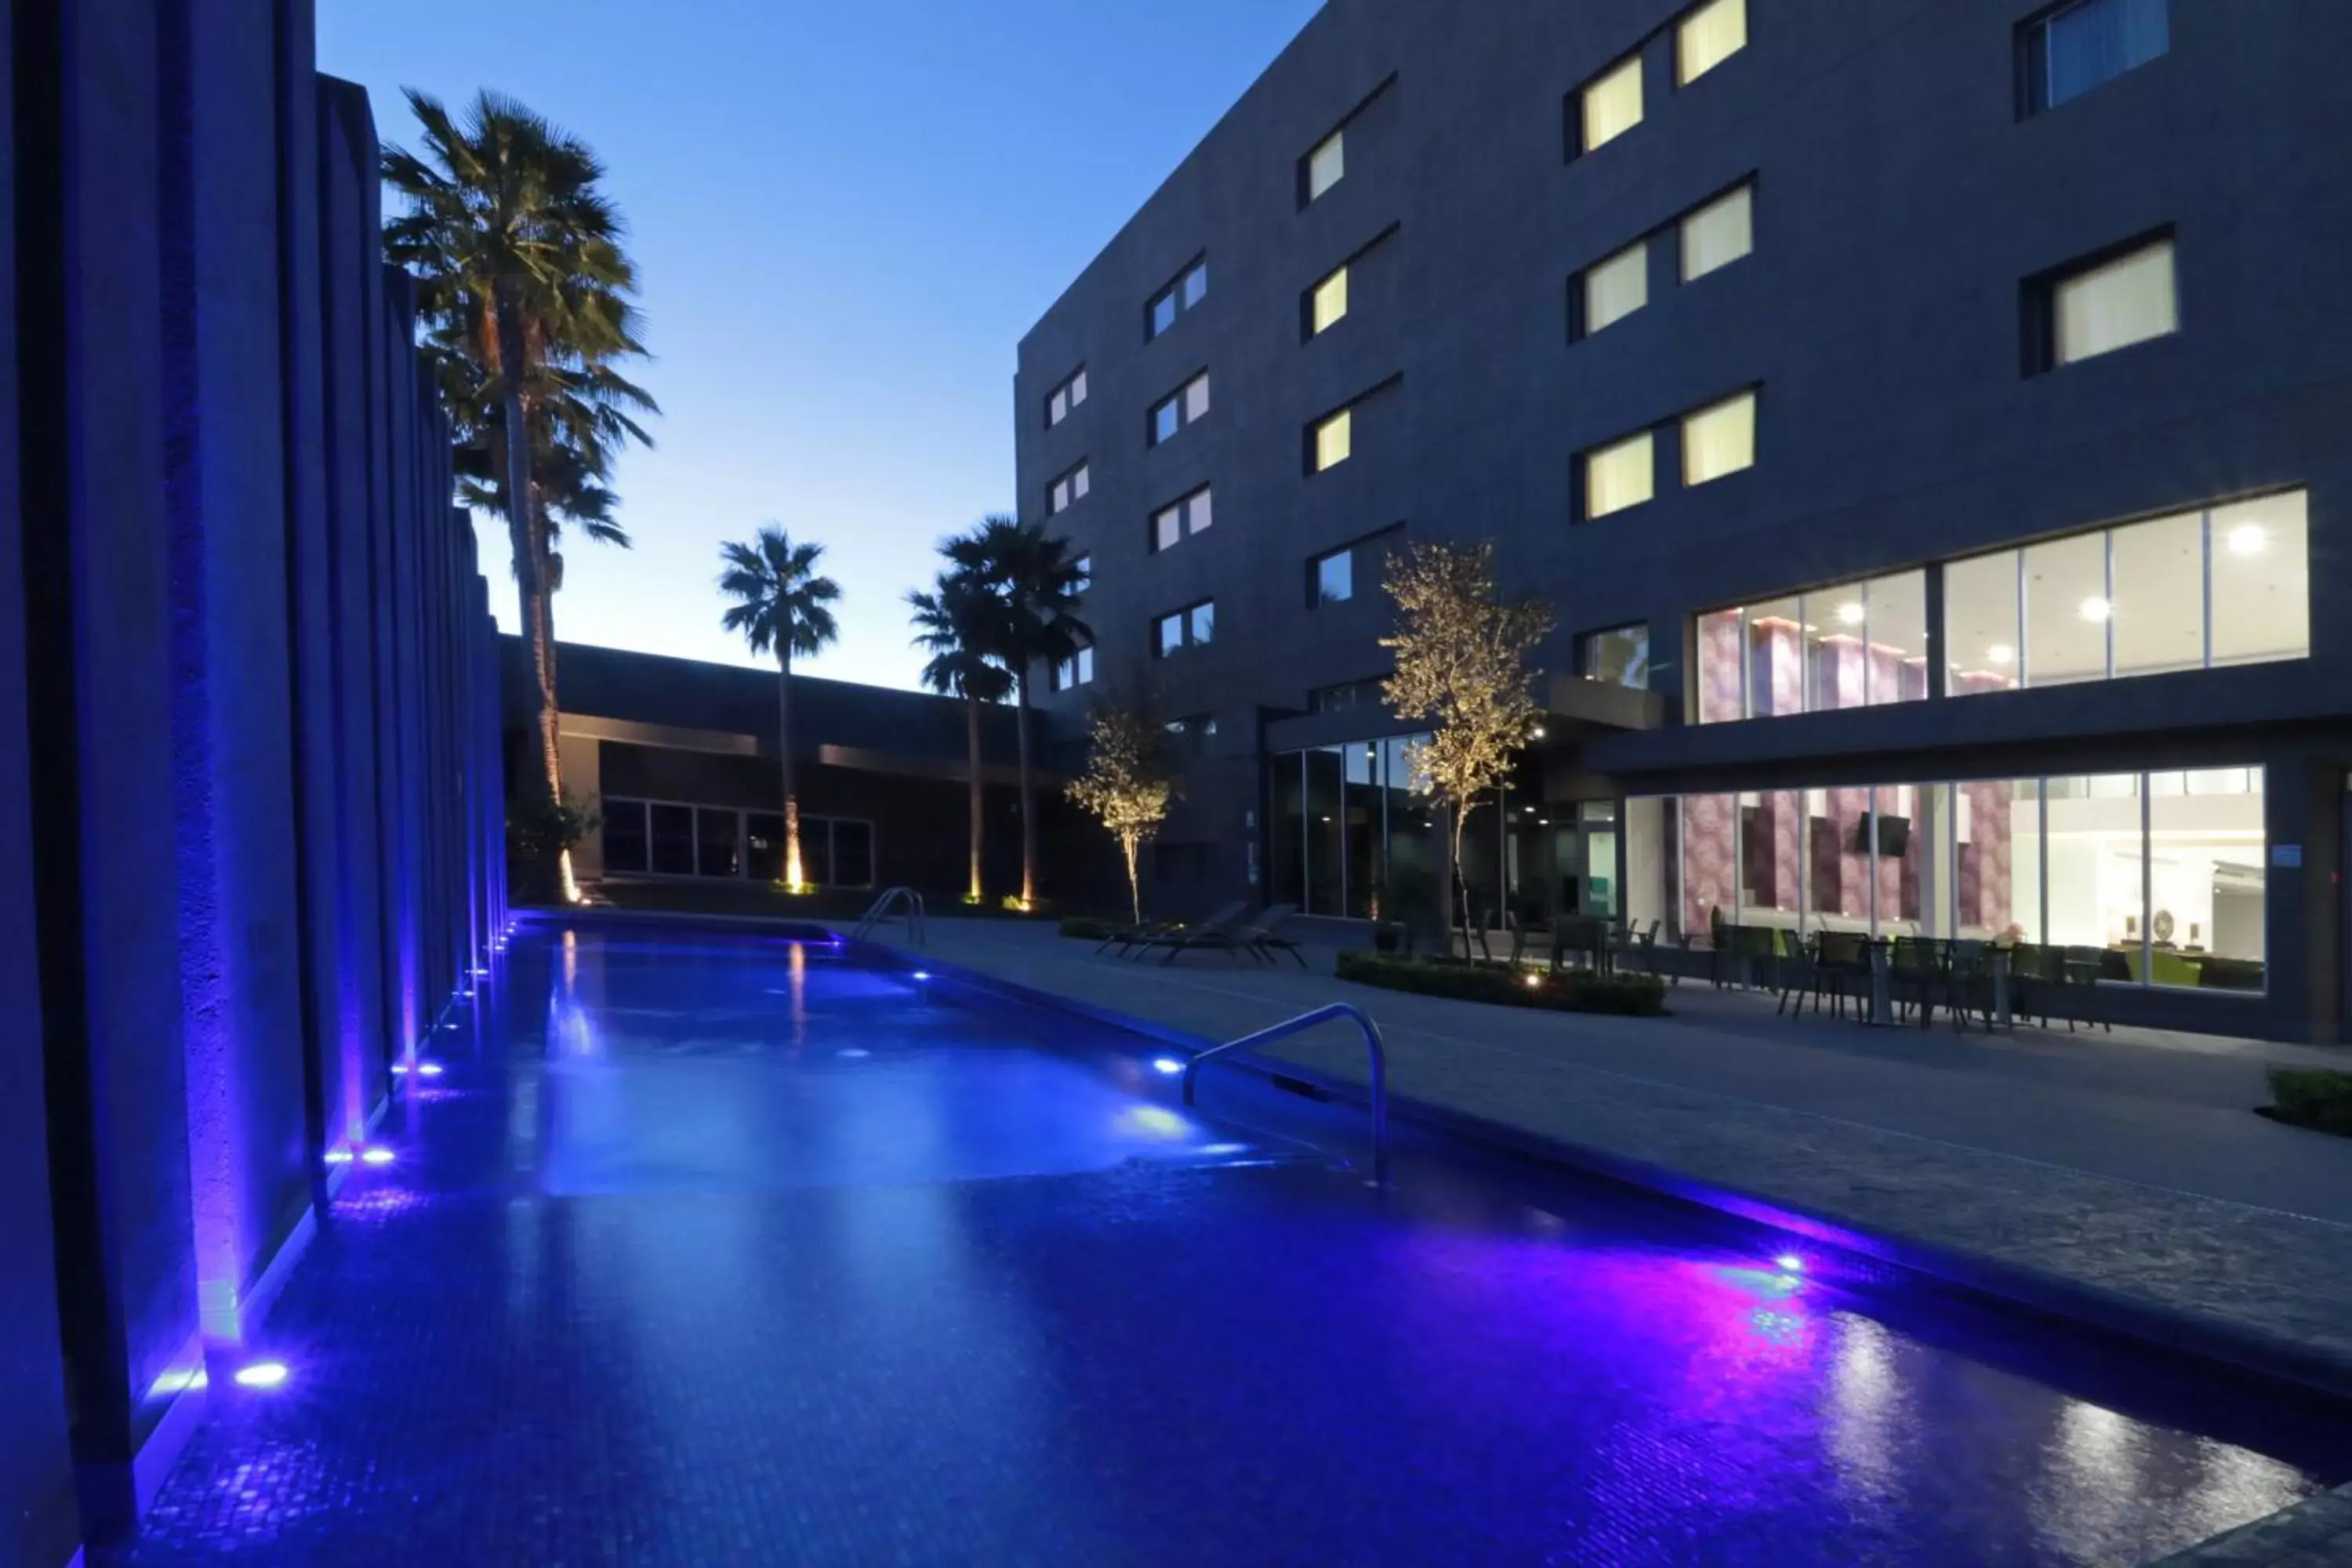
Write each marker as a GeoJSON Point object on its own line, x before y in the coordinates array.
{"type": "Point", "coordinates": [1927, 422]}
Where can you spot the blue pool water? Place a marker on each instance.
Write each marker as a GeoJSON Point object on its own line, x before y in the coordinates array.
{"type": "Point", "coordinates": [715, 1249]}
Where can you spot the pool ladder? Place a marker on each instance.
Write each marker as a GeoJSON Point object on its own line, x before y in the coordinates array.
{"type": "Point", "coordinates": [881, 908]}
{"type": "Point", "coordinates": [1299, 1026]}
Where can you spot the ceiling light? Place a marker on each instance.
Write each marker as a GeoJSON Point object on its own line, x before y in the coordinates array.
{"type": "Point", "coordinates": [1852, 615]}
{"type": "Point", "coordinates": [2249, 539]}
{"type": "Point", "coordinates": [2095, 609]}
{"type": "Point", "coordinates": [2002, 653]}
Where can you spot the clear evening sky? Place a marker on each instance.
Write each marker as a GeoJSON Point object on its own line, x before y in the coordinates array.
{"type": "Point", "coordinates": [847, 213]}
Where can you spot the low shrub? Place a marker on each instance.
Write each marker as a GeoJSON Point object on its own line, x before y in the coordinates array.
{"type": "Point", "coordinates": [1092, 928]}
{"type": "Point", "coordinates": [1635, 995]}
{"type": "Point", "coordinates": [2318, 1099]}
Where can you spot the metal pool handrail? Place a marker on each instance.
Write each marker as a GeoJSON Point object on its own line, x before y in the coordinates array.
{"type": "Point", "coordinates": [1300, 1025]}
{"type": "Point", "coordinates": [881, 907]}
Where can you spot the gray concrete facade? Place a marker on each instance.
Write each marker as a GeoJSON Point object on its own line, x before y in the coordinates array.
{"type": "Point", "coordinates": [1904, 204]}
{"type": "Point", "coordinates": [248, 691]}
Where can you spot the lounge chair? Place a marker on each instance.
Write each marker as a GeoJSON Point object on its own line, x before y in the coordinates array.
{"type": "Point", "coordinates": [1263, 935]}
{"type": "Point", "coordinates": [1219, 933]}
{"type": "Point", "coordinates": [1137, 935]}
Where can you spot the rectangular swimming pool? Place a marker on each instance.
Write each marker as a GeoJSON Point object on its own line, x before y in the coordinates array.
{"type": "Point", "coordinates": [709, 1247]}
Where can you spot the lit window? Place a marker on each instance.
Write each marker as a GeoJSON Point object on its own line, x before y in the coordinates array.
{"type": "Point", "coordinates": [2079, 46]}
{"type": "Point", "coordinates": [1719, 233]}
{"type": "Point", "coordinates": [1708, 36]}
{"type": "Point", "coordinates": [1196, 398]}
{"type": "Point", "coordinates": [1335, 577]}
{"type": "Point", "coordinates": [1612, 104]}
{"type": "Point", "coordinates": [2114, 305]}
{"type": "Point", "coordinates": [1615, 289]}
{"type": "Point", "coordinates": [1335, 440]}
{"type": "Point", "coordinates": [1330, 302]}
{"type": "Point", "coordinates": [1065, 399]}
{"type": "Point", "coordinates": [1620, 475]}
{"type": "Point", "coordinates": [1719, 440]}
{"type": "Point", "coordinates": [1327, 166]}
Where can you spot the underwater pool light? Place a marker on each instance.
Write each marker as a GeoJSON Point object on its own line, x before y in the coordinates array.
{"type": "Point", "coordinates": [262, 1374]}
{"type": "Point", "coordinates": [398, 1069]}
{"type": "Point", "coordinates": [339, 1156]}
{"type": "Point", "coordinates": [922, 974]}
{"type": "Point", "coordinates": [1788, 1263]}
{"type": "Point", "coordinates": [1168, 1065]}
{"type": "Point", "coordinates": [429, 1069]}
{"type": "Point", "coordinates": [378, 1156]}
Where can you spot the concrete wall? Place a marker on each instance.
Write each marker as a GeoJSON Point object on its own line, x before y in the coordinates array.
{"type": "Point", "coordinates": [248, 715]}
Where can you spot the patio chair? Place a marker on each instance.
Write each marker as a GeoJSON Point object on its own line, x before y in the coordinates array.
{"type": "Point", "coordinates": [1922, 965]}
{"type": "Point", "coordinates": [1130, 936]}
{"type": "Point", "coordinates": [1263, 937]}
{"type": "Point", "coordinates": [1219, 934]}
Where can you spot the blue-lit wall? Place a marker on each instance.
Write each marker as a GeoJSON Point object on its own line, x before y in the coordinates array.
{"type": "Point", "coordinates": [248, 743]}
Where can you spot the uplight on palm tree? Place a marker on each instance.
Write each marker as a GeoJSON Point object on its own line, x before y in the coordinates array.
{"type": "Point", "coordinates": [781, 607]}
{"type": "Point", "coordinates": [523, 293]}
{"type": "Point", "coordinates": [958, 622]}
{"type": "Point", "coordinates": [1036, 583]}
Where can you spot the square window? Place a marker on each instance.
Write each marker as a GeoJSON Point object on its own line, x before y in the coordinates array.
{"type": "Point", "coordinates": [1196, 398]}
{"type": "Point", "coordinates": [1612, 104]}
{"type": "Point", "coordinates": [2114, 305]}
{"type": "Point", "coordinates": [1079, 483]}
{"type": "Point", "coordinates": [1616, 288]}
{"type": "Point", "coordinates": [1330, 302]}
{"type": "Point", "coordinates": [2079, 46]}
{"type": "Point", "coordinates": [1327, 166]}
{"type": "Point", "coordinates": [1203, 625]}
{"type": "Point", "coordinates": [1708, 36]}
{"type": "Point", "coordinates": [1077, 389]}
{"type": "Point", "coordinates": [1165, 420]}
{"type": "Point", "coordinates": [1163, 312]}
{"type": "Point", "coordinates": [1196, 285]}
{"type": "Point", "coordinates": [1719, 440]}
{"type": "Point", "coordinates": [1619, 657]}
{"type": "Point", "coordinates": [1197, 516]}
{"type": "Point", "coordinates": [1335, 577]}
{"type": "Point", "coordinates": [1335, 440]}
{"type": "Point", "coordinates": [1057, 407]}
{"type": "Point", "coordinates": [1167, 527]}
{"type": "Point", "coordinates": [1620, 475]}
{"type": "Point", "coordinates": [1719, 233]}
{"type": "Point", "coordinates": [1171, 634]}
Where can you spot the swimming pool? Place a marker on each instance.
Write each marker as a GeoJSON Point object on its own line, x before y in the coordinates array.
{"type": "Point", "coordinates": [709, 1247]}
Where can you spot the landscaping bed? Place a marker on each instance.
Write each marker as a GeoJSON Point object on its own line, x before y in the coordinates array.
{"type": "Point", "coordinates": [2320, 1101]}
{"type": "Point", "coordinates": [1569, 991]}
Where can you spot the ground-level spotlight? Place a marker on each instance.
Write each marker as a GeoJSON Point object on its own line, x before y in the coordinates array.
{"type": "Point", "coordinates": [1168, 1065]}
{"type": "Point", "coordinates": [1535, 982]}
{"type": "Point", "coordinates": [262, 1374]}
{"type": "Point", "coordinates": [378, 1156]}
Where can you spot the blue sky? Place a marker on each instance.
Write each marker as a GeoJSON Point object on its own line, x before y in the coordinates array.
{"type": "Point", "coordinates": [846, 215]}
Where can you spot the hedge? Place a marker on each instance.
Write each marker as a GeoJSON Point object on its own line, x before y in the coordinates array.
{"type": "Point", "coordinates": [1638, 995]}
{"type": "Point", "coordinates": [2317, 1100]}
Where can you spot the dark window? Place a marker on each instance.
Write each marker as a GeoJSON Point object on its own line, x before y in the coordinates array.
{"type": "Point", "coordinates": [1192, 628]}
{"type": "Point", "coordinates": [673, 840]}
{"type": "Point", "coordinates": [764, 846]}
{"type": "Point", "coordinates": [853, 853]}
{"type": "Point", "coordinates": [714, 844]}
{"type": "Point", "coordinates": [816, 851]}
{"type": "Point", "coordinates": [1186, 294]}
{"type": "Point", "coordinates": [2067, 52]}
{"type": "Point", "coordinates": [1075, 671]}
{"type": "Point", "coordinates": [1618, 657]}
{"type": "Point", "coordinates": [1335, 577]}
{"type": "Point", "coordinates": [1345, 697]}
{"type": "Point", "coordinates": [1190, 737]}
{"type": "Point", "coordinates": [625, 836]}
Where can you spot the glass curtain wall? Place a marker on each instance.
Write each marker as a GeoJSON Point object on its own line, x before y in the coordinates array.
{"type": "Point", "coordinates": [668, 839]}
{"type": "Point", "coordinates": [2147, 879]}
{"type": "Point", "coordinates": [1856, 644]}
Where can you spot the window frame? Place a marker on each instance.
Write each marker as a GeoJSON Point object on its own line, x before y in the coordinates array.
{"type": "Point", "coordinates": [1175, 296]}
{"type": "Point", "coordinates": [1179, 404]}
{"type": "Point", "coordinates": [1684, 76]}
{"type": "Point", "coordinates": [2033, 46]}
{"type": "Point", "coordinates": [1580, 324]}
{"type": "Point", "coordinates": [1079, 476]}
{"type": "Point", "coordinates": [1584, 641]}
{"type": "Point", "coordinates": [1185, 617]}
{"type": "Point", "coordinates": [1315, 597]}
{"type": "Point", "coordinates": [1313, 313]}
{"type": "Point", "coordinates": [2039, 325]}
{"type": "Point", "coordinates": [1753, 395]}
{"type": "Point", "coordinates": [1743, 186]}
{"type": "Point", "coordinates": [1072, 387]}
{"type": "Point", "coordinates": [1579, 127]}
{"type": "Point", "coordinates": [1647, 434]}
{"type": "Point", "coordinates": [1336, 142]}
{"type": "Point", "coordinates": [1186, 526]}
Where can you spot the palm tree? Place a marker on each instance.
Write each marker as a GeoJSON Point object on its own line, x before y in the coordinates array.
{"type": "Point", "coordinates": [523, 292]}
{"type": "Point", "coordinates": [1036, 583]}
{"type": "Point", "coordinates": [958, 622]}
{"type": "Point", "coordinates": [780, 606]}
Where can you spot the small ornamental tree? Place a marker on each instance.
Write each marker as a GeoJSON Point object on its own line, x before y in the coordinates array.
{"type": "Point", "coordinates": [1126, 787]}
{"type": "Point", "coordinates": [1462, 666]}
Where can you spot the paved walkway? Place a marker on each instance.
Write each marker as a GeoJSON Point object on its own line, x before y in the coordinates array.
{"type": "Point", "coordinates": [2119, 1176]}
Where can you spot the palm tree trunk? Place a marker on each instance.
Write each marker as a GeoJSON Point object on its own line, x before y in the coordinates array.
{"type": "Point", "coordinates": [979, 793]}
{"type": "Point", "coordinates": [1028, 799]}
{"type": "Point", "coordinates": [547, 784]}
{"type": "Point", "coordinates": [792, 878]}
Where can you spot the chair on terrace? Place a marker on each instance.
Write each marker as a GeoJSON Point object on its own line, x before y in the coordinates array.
{"type": "Point", "coordinates": [1130, 936]}
{"type": "Point", "coordinates": [1263, 938]}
